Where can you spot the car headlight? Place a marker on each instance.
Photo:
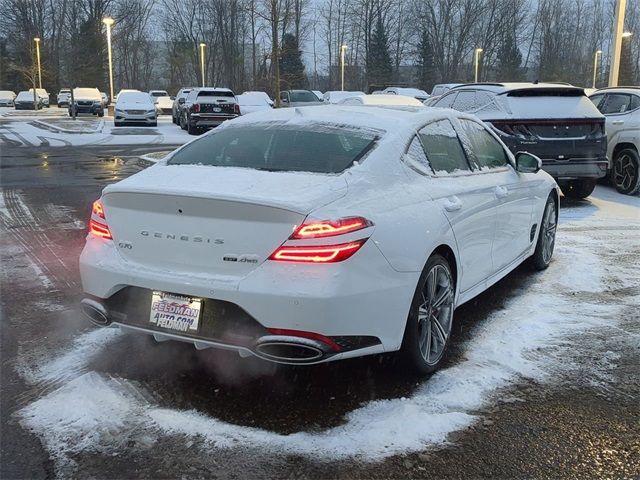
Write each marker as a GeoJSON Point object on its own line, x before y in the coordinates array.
{"type": "Point", "coordinates": [119, 111]}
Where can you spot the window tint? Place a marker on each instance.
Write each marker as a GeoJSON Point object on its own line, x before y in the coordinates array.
{"type": "Point", "coordinates": [442, 147]}
{"type": "Point", "coordinates": [211, 93]}
{"type": "Point", "coordinates": [302, 96]}
{"type": "Point", "coordinates": [485, 150]}
{"type": "Point", "coordinates": [635, 102]}
{"type": "Point", "coordinates": [618, 103]}
{"type": "Point", "coordinates": [278, 147]}
{"type": "Point", "coordinates": [446, 101]}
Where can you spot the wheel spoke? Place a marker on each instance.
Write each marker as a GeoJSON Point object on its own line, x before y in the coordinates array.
{"type": "Point", "coordinates": [442, 336]}
{"type": "Point", "coordinates": [443, 296]}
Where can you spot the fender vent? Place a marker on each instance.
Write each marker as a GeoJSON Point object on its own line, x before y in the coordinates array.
{"type": "Point", "coordinates": [532, 234]}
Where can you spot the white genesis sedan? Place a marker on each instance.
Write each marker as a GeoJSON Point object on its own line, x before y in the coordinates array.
{"type": "Point", "coordinates": [307, 235]}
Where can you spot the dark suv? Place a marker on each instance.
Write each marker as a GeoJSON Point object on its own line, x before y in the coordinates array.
{"type": "Point", "coordinates": [558, 123]}
{"type": "Point", "coordinates": [178, 102]}
{"type": "Point", "coordinates": [205, 108]}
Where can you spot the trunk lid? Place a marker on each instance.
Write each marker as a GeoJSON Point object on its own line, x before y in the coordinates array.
{"type": "Point", "coordinates": [222, 222]}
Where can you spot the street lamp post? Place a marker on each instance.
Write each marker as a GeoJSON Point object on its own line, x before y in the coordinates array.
{"type": "Point", "coordinates": [37, 40]}
{"type": "Point", "coordinates": [595, 67]}
{"type": "Point", "coordinates": [477, 52]}
{"type": "Point", "coordinates": [202, 45]}
{"type": "Point", "coordinates": [618, 34]}
{"type": "Point", "coordinates": [343, 50]}
{"type": "Point", "coordinates": [108, 21]}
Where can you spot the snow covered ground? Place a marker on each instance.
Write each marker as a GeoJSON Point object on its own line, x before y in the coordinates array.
{"type": "Point", "coordinates": [53, 127]}
{"type": "Point", "coordinates": [538, 336]}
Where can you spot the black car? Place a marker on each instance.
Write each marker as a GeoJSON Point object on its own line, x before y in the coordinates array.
{"type": "Point", "coordinates": [25, 101]}
{"type": "Point", "coordinates": [205, 108]}
{"type": "Point", "coordinates": [558, 123]}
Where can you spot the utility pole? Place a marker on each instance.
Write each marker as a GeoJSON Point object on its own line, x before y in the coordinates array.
{"type": "Point", "coordinates": [618, 29]}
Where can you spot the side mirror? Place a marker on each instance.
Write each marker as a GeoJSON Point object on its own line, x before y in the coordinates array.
{"type": "Point", "coordinates": [527, 163]}
{"type": "Point", "coordinates": [284, 98]}
{"type": "Point", "coordinates": [181, 101]}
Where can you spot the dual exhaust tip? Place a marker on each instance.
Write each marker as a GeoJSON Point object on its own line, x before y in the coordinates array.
{"type": "Point", "coordinates": [275, 348]}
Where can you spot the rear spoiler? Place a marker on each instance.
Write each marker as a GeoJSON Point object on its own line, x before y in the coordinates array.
{"type": "Point", "coordinates": [546, 92]}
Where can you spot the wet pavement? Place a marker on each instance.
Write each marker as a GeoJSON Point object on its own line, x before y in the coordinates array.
{"type": "Point", "coordinates": [579, 419]}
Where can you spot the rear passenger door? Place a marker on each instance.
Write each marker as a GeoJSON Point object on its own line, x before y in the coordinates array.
{"type": "Point", "coordinates": [513, 192]}
{"type": "Point", "coordinates": [467, 201]}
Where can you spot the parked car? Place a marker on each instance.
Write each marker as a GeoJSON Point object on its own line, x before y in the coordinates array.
{"type": "Point", "coordinates": [64, 97]}
{"type": "Point", "coordinates": [105, 98]}
{"type": "Point", "coordinates": [126, 90]}
{"type": "Point", "coordinates": [135, 108]}
{"type": "Point", "coordinates": [298, 98]}
{"type": "Point", "coordinates": [7, 98]}
{"type": "Point", "coordinates": [158, 93]}
{"type": "Point", "coordinates": [407, 92]}
{"type": "Point", "coordinates": [251, 102]}
{"type": "Point", "coordinates": [557, 123]}
{"type": "Point", "coordinates": [336, 96]}
{"type": "Point", "coordinates": [206, 108]}
{"type": "Point", "coordinates": [176, 109]}
{"type": "Point", "coordinates": [621, 108]}
{"type": "Point", "coordinates": [164, 105]}
{"type": "Point", "coordinates": [318, 94]}
{"type": "Point", "coordinates": [259, 93]}
{"type": "Point", "coordinates": [442, 88]}
{"type": "Point", "coordinates": [26, 101]}
{"type": "Point", "coordinates": [43, 94]}
{"type": "Point", "coordinates": [382, 101]}
{"type": "Point", "coordinates": [304, 236]}
{"type": "Point", "coordinates": [86, 100]}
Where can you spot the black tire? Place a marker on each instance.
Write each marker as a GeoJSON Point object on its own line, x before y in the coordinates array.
{"type": "Point", "coordinates": [183, 121]}
{"type": "Point", "coordinates": [541, 257]}
{"type": "Point", "coordinates": [154, 124]}
{"type": "Point", "coordinates": [192, 130]}
{"type": "Point", "coordinates": [101, 114]}
{"type": "Point", "coordinates": [420, 332]}
{"type": "Point", "coordinates": [173, 120]}
{"type": "Point", "coordinates": [579, 188]}
{"type": "Point", "coordinates": [117, 124]}
{"type": "Point", "coordinates": [625, 171]}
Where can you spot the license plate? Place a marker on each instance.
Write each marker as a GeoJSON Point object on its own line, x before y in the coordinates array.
{"type": "Point", "coordinates": [175, 312]}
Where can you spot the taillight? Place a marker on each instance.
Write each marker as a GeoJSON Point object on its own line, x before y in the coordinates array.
{"type": "Point", "coordinates": [236, 109]}
{"type": "Point", "coordinates": [96, 227]}
{"type": "Point", "coordinates": [99, 230]}
{"type": "Point", "coordinates": [196, 107]}
{"type": "Point", "coordinates": [330, 228]}
{"type": "Point", "coordinates": [317, 253]}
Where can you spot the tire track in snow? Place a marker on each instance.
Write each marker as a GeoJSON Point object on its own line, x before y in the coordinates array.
{"type": "Point", "coordinates": [24, 224]}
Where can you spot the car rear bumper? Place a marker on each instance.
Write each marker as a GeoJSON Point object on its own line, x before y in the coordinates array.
{"type": "Point", "coordinates": [208, 120]}
{"type": "Point", "coordinates": [571, 169]}
{"type": "Point", "coordinates": [362, 303]}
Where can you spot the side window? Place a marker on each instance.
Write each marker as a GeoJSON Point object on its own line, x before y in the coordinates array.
{"type": "Point", "coordinates": [465, 101]}
{"type": "Point", "coordinates": [598, 100]}
{"type": "Point", "coordinates": [617, 103]}
{"type": "Point", "coordinates": [635, 102]}
{"type": "Point", "coordinates": [418, 158]}
{"type": "Point", "coordinates": [446, 101]}
{"type": "Point", "coordinates": [485, 150]}
{"type": "Point", "coordinates": [442, 148]}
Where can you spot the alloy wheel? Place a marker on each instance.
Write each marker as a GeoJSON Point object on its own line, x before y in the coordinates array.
{"type": "Point", "coordinates": [435, 314]}
{"type": "Point", "coordinates": [548, 232]}
{"type": "Point", "coordinates": [624, 172]}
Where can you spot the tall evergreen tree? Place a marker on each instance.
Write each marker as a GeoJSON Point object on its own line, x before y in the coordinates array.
{"type": "Point", "coordinates": [509, 60]}
{"type": "Point", "coordinates": [426, 72]}
{"type": "Point", "coordinates": [379, 68]}
{"type": "Point", "coordinates": [291, 66]}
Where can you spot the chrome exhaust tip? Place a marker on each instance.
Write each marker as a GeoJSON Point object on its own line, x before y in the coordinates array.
{"type": "Point", "coordinates": [285, 349]}
{"type": "Point", "coordinates": [96, 312]}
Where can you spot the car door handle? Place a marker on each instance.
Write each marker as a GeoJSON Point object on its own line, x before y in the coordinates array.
{"type": "Point", "coordinates": [452, 204]}
{"type": "Point", "coordinates": [617, 122]}
{"type": "Point", "coordinates": [501, 192]}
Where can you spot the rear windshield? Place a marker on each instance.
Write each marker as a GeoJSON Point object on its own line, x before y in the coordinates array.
{"type": "Point", "coordinates": [278, 147]}
{"type": "Point", "coordinates": [302, 97]}
{"type": "Point", "coordinates": [209, 93]}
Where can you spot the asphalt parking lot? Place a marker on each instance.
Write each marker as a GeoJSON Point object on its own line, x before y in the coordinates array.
{"type": "Point", "coordinates": [543, 381]}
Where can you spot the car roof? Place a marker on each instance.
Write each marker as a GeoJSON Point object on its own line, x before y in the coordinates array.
{"type": "Point", "coordinates": [514, 86]}
{"type": "Point", "coordinates": [358, 117]}
{"type": "Point", "coordinates": [625, 89]}
{"type": "Point", "coordinates": [212, 89]}
{"type": "Point", "coordinates": [386, 100]}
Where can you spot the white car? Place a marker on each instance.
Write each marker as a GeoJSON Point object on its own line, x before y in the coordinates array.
{"type": "Point", "coordinates": [337, 96]}
{"type": "Point", "coordinates": [43, 94]}
{"type": "Point", "coordinates": [135, 108]}
{"type": "Point", "coordinates": [64, 97]}
{"type": "Point", "coordinates": [382, 100]}
{"type": "Point", "coordinates": [105, 98]}
{"type": "Point", "coordinates": [158, 93]}
{"type": "Point", "coordinates": [315, 234]}
{"type": "Point", "coordinates": [6, 98]}
{"type": "Point", "coordinates": [125, 90]}
{"type": "Point", "coordinates": [442, 88]}
{"type": "Point", "coordinates": [164, 105]}
{"type": "Point", "coordinates": [621, 108]}
{"type": "Point", "coordinates": [407, 92]}
{"type": "Point", "coordinates": [251, 102]}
